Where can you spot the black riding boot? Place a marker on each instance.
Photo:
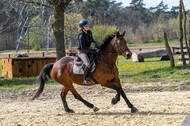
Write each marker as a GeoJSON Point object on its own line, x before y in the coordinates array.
{"type": "Point", "coordinates": [85, 78]}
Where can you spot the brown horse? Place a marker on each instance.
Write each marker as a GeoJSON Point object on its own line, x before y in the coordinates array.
{"type": "Point", "coordinates": [106, 72]}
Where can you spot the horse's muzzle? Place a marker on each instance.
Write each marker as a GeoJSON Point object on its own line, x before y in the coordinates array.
{"type": "Point", "coordinates": [128, 55]}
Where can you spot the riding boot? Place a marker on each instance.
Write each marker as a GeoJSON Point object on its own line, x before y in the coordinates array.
{"type": "Point", "coordinates": [86, 73]}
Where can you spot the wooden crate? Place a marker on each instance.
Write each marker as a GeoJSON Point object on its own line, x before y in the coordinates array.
{"type": "Point", "coordinates": [24, 66]}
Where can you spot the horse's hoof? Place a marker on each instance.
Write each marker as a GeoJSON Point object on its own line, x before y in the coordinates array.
{"type": "Point", "coordinates": [95, 109]}
{"type": "Point", "coordinates": [69, 111]}
{"type": "Point", "coordinates": [133, 110]}
{"type": "Point", "coordinates": [114, 101]}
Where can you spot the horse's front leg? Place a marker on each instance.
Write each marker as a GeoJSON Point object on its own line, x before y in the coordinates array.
{"type": "Point", "coordinates": [121, 92]}
{"type": "Point", "coordinates": [116, 99]}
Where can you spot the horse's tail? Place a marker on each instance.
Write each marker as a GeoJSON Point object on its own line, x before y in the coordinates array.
{"type": "Point", "coordinates": [43, 78]}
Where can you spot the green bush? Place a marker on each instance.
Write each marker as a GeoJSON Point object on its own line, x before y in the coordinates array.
{"type": "Point", "coordinates": [36, 33]}
{"type": "Point", "coordinates": [101, 31]}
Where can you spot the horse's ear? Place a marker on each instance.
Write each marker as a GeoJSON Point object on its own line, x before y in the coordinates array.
{"type": "Point", "coordinates": [117, 34]}
{"type": "Point", "coordinates": [123, 34]}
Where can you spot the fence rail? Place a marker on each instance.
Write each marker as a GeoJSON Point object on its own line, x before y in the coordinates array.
{"type": "Point", "coordinates": [39, 53]}
{"type": "Point", "coordinates": [44, 53]}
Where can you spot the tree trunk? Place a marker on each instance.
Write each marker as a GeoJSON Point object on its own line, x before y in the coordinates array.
{"type": "Point", "coordinates": [59, 29]}
{"type": "Point", "coordinates": [189, 40]}
{"type": "Point", "coordinates": [185, 29]}
{"type": "Point", "coordinates": [170, 54]}
{"type": "Point", "coordinates": [59, 7]}
{"type": "Point", "coordinates": [181, 33]}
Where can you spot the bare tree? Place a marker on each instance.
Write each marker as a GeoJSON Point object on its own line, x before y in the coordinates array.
{"type": "Point", "coordinates": [8, 22]}
{"type": "Point", "coordinates": [181, 33]}
{"type": "Point", "coordinates": [172, 62]}
{"type": "Point", "coordinates": [59, 7]}
{"type": "Point", "coordinates": [185, 29]}
{"type": "Point", "coordinates": [189, 35]}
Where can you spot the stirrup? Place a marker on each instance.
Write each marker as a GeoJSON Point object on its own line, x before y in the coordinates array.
{"type": "Point", "coordinates": [85, 81]}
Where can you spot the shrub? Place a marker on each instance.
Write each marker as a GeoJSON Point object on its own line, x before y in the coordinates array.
{"type": "Point", "coordinates": [101, 31]}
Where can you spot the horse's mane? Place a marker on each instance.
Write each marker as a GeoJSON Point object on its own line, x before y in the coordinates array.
{"type": "Point", "coordinates": [106, 41]}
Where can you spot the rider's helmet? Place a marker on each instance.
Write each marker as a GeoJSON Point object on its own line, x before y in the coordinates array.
{"type": "Point", "coordinates": [83, 23]}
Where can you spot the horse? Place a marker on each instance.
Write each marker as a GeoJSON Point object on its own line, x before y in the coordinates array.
{"type": "Point", "coordinates": [106, 73]}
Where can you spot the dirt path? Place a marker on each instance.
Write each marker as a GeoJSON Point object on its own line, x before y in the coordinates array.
{"type": "Point", "coordinates": [155, 108]}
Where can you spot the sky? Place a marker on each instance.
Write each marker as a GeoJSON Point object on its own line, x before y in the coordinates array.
{"type": "Point", "coordinates": [153, 3]}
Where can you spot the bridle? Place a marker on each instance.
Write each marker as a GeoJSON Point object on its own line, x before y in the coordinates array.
{"type": "Point", "coordinates": [116, 45]}
{"type": "Point", "coordinates": [120, 50]}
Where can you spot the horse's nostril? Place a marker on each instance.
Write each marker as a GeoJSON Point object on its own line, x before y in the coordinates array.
{"type": "Point", "coordinates": [128, 55]}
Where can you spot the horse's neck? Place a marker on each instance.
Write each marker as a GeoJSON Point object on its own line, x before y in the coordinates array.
{"type": "Point", "coordinates": [108, 55]}
{"type": "Point", "coordinates": [108, 58]}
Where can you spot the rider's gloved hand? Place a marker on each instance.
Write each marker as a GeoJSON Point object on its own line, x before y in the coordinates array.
{"type": "Point", "coordinates": [98, 47]}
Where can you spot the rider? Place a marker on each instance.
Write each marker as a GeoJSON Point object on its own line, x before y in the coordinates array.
{"type": "Point", "coordinates": [85, 39]}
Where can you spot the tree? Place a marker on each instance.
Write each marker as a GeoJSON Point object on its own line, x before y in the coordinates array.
{"type": "Point", "coordinates": [137, 5]}
{"type": "Point", "coordinates": [144, 33]}
{"type": "Point", "coordinates": [71, 24]}
{"type": "Point", "coordinates": [97, 9]}
{"type": "Point", "coordinates": [101, 31]}
{"type": "Point", "coordinates": [59, 7]}
{"type": "Point", "coordinates": [36, 34]}
{"type": "Point", "coordinates": [174, 26]}
{"type": "Point", "coordinates": [140, 12]}
{"type": "Point", "coordinates": [8, 23]}
{"type": "Point", "coordinates": [174, 11]}
{"type": "Point", "coordinates": [158, 31]}
{"type": "Point", "coordinates": [170, 54]}
{"type": "Point", "coordinates": [181, 33]}
{"type": "Point", "coordinates": [185, 29]}
{"type": "Point", "coordinates": [8, 14]}
{"type": "Point", "coordinates": [114, 15]}
{"type": "Point", "coordinates": [160, 9]}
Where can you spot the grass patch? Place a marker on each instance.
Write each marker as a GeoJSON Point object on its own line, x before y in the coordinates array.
{"type": "Point", "coordinates": [151, 70]}
{"type": "Point", "coordinates": [153, 43]}
{"type": "Point", "coordinates": [18, 83]}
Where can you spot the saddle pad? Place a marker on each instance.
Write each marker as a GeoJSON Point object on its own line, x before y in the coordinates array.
{"type": "Point", "coordinates": [79, 70]}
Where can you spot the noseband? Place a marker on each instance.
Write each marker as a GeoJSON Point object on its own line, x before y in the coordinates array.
{"type": "Point", "coordinates": [120, 50]}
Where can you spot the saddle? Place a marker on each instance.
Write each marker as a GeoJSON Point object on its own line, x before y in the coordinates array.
{"type": "Point", "coordinates": [79, 66]}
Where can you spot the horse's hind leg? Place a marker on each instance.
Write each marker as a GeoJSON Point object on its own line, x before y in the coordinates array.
{"type": "Point", "coordinates": [63, 95]}
{"type": "Point", "coordinates": [77, 96]}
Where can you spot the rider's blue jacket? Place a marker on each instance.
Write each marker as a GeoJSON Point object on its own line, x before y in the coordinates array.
{"type": "Point", "coordinates": [85, 40]}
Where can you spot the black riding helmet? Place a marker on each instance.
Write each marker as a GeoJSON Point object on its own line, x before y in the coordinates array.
{"type": "Point", "coordinates": [83, 23]}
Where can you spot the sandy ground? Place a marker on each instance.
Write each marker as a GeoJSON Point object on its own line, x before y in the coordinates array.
{"type": "Point", "coordinates": [168, 108]}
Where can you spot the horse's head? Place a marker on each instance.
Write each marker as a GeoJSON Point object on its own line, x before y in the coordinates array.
{"type": "Point", "coordinates": [120, 45]}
